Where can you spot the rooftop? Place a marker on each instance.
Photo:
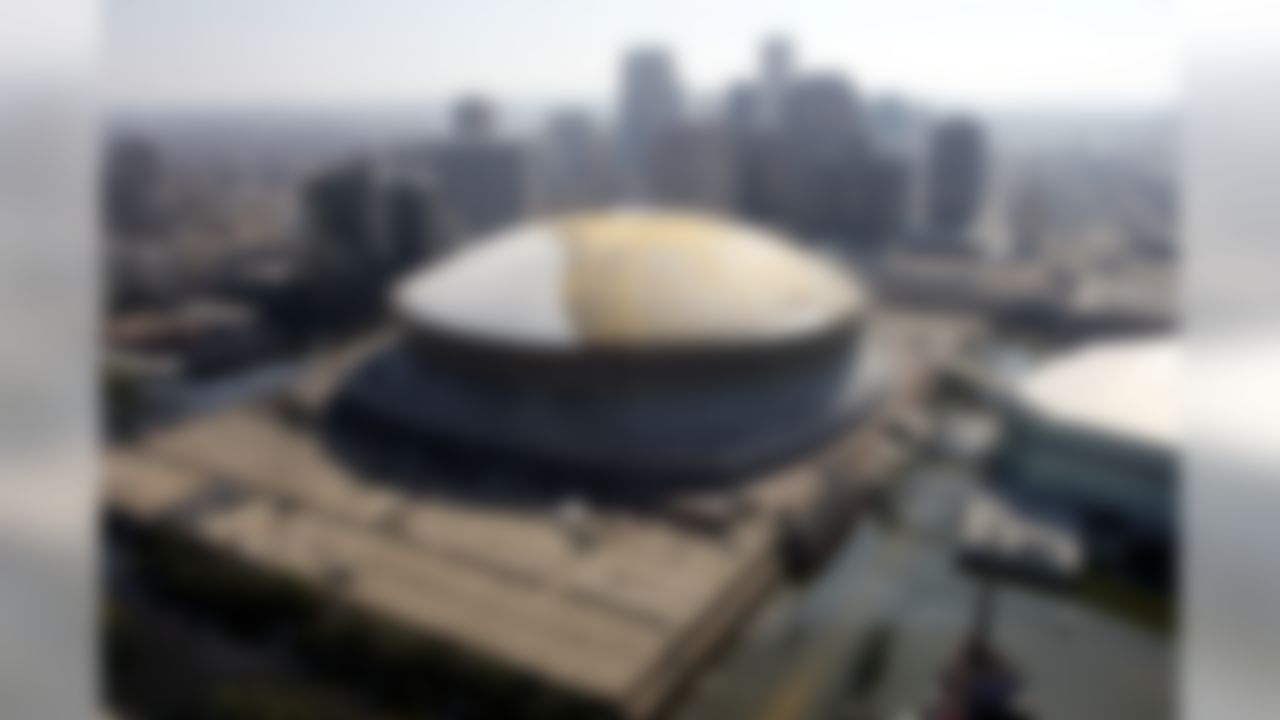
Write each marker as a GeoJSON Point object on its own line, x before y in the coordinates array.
{"type": "Point", "coordinates": [617, 617]}
{"type": "Point", "coordinates": [1128, 388]}
{"type": "Point", "coordinates": [631, 277]}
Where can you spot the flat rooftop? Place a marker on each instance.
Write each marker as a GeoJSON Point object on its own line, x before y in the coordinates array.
{"type": "Point", "coordinates": [612, 604]}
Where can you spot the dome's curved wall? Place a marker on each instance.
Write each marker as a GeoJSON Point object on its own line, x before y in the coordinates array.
{"type": "Point", "coordinates": [635, 343]}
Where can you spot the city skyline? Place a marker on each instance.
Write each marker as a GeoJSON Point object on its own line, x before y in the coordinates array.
{"type": "Point", "coordinates": [1003, 54]}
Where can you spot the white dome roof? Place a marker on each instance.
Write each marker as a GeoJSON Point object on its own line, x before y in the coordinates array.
{"type": "Point", "coordinates": [1128, 388]}
{"type": "Point", "coordinates": [630, 278]}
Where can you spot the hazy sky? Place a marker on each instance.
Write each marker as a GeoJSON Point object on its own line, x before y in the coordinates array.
{"type": "Point", "coordinates": [1090, 53]}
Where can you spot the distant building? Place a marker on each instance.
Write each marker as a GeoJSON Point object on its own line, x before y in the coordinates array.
{"type": "Point", "coordinates": [762, 179]}
{"type": "Point", "coordinates": [652, 102]}
{"type": "Point", "coordinates": [198, 338]}
{"type": "Point", "coordinates": [339, 208]}
{"type": "Point", "coordinates": [957, 177]}
{"type": "Point", "coordinates": [891, 125]}
{"type": "Point", "coordinates": [409, 221]}
{"type": "Point", "coordinates": [886, 204]}
{"type": "Point", "coordinates": [574, 167]}
{"type": "Point", "coordinates": [692, 167]}
{"type": "Point", "coordinates": [777, 70]}
{"type": "Point", "coordinates": [739, 110]}
{"type": "Point", "coordinates": [1031, 217]}
{"type": "Point", "coordinates": [366, 226]}
{"type": "Point", "coordinates": [827, 157]}
{"type": "Point", "coordinates": [896, 135]}
{"type": "Point", "coordinates": [481, 179]}
{"type": "Point", "coordinates": [133, 187]}
{"type": "Point", "coordinates": [823, 116]}
{"type": "Point", "coordinates": [803, 160]}
{"type": "Point", "coordinates": [473, 118]}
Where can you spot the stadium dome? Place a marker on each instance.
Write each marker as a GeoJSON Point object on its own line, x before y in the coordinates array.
{"type": "Point", "coordinates": [1126, 390]}
{"type": "Point", "coordinates": [629, 279]}
{"type": "Point", "coordinates": [1091, 441]}
{"type": "Point", "coordinates": [667, 345]}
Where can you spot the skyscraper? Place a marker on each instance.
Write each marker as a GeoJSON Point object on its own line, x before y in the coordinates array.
{"type": "Point", "coordinates": [651, 102]}
{"type": "Point", "coordinates": [896, 135]}
{"type": "Point", "coordinates": [957, 175]}
{"type": "Point", "coordinates": [409, 216]}
{"type": "Point", "coordinates": [473, 118]}
{"type": "Point", "coordinates": [822, 116]}
{"type": "Point", "coordinates": [886, 212]}
{"type": "Point", "coordinates": [132, 187]}
{"type": "Point", "coordinates": [366, 228]}
{"type": "Point", "coordinates": [480, 176]}
{"type": "Point", "coordinates": [776, 70]}
{"type": "Point", "coordinates": [691, 167]}
{"type": "Point", "coordinates": [826, 158]}
{"type": "Point", "coordinates": [574, 168]}
{"type": "Point", "coordinates": [741, 109]}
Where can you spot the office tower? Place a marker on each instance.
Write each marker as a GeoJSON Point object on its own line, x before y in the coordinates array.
{"type": "Point", "coordinates": [409, 217]}
{"type": "Point", "coordinates": [473, 118]}
{"type": "Point", "coordinates": [651, 102]}
{"type": "Point", "coordinates": [887, 202]}
{"type": "Point", "coordinates": [741, 109]}
{"type": "Point", "coordinates": [340, 212]}
{"type": "Point", "coordinates": [825, 161]}
{"type": "Point", "coordinates": [823, 116]}
{"type": "Point", "coordinates": [957, 175]}
{"type": "Point", "coordinates": [480, 177]}
{"type": "Point", "coordinates": [366, 228]}
{"type": "Point", "coordinates": [692, 167]}
{"type": "Point", "coordinates": [132, 187]}
{"type": "Point", "coordinates": [574, 167]}
{"type": "Point", "coordinates": [1030, 215]}
{"type": "Point", "coordinates": [891, 125]}
{"type": "Point", "coordinates": [776, 70]}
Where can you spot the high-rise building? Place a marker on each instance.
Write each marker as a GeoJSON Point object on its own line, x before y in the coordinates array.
{"type": "Point", "coordinates": [409, 216]}
{"type": "Point", "coordinates": [473, 118]}
{"type": "Point", "coordinates": [898, 137]}
{"type": "Point", "coordinates": [741, 109]}
{"type": "Point", "coordinates": [132, 187]}
{"type": "Point", "coordinates": [1030, 216]}
{"type": "Point", "coordinates": [692, 167]}
{"type": "Point", "coordinates": [573, 167]}
{"type": "Point", "coordinates": [777, 64]}
{"type": "Point", "coordinates": [886, 216]}
{"type": "Point", "coordinates": [803, 162]}
{"type": "Point", "coordinates": [480, 177]}
{"type": "Point", "coordinates": [340, 212]}
{"type": "Point", "coordinates": [891, 125]}
{"type": "Point", "coordinates": [826, 160]}
{"type": "Point", "coordinates": [366, 227]}
{"type": "Point", "coordinates": [652, 101]}
{"type": "Point", "coordinates": [957, 175]}
{"type": "Point", "coordinates": [823, 116]}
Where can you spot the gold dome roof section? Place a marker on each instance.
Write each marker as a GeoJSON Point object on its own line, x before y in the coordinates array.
{"type": "Point", "coordinates": [642, 278]}
{"type": "Point", "coordinates": [631, 280]}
